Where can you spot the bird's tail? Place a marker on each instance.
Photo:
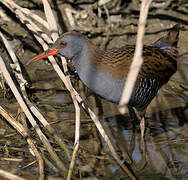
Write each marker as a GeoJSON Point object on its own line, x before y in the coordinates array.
{"type": "Point", "coordinates": [170, 40]}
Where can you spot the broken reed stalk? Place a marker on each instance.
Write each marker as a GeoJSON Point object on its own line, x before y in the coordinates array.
{"type": "Point", "coordinates": [21, 129]}
{"type": "Point", "coordinates": [137, 59]}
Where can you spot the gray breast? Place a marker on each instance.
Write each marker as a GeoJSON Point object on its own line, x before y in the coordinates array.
{"type": "Point", "coordinates": [102, 83]}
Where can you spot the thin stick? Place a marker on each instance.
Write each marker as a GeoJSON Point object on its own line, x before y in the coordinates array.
{"type": "Point", "coordinates": [9, 175]}
{"type": "Point", "coordinates": [54, 33]}
{"type": "Point", "coordinates": [17, 67]}
{"type": "Point", "coordinates": [71, 166]}
{"type": "Point", "coordinates": [51, 20]}
{"type": "Point", "coordinates": [137, 59]}
{"type": "Point", "coordinates": [39, 158]}
{"type": "Point", "coordinates": [29, 13]}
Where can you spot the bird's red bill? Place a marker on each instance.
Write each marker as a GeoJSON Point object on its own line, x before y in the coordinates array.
{"type": "Point", "coordinates": [43, 55]}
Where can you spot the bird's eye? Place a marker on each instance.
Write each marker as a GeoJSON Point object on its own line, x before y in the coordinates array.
{"type": "Point", "coordinates": [63, 43]}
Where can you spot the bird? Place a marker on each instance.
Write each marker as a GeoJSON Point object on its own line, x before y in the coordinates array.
{"type": "Point", "coordinates": [105, 71]}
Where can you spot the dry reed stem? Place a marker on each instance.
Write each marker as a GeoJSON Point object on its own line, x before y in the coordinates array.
{"type": "Point", "coordinates": [29, 164]}
{"type": "Point", "coordinates": [10, 176]}
{"type": "Point", "coordinates": [12, 159]}
{"type": "Point", "coordinates": [38, 157]}
{"type": "Point", "coordinates": [71, 166]}
{"type": "Point", "coordinates": [29, 13]}
{"type": "Point", "coordinates": [104, 135]}
{"type": "Point", "coordinates": [16, 65]}
{"type": "Point", "coordinates": [137, 59]}
{"type": "Point", "coordinates": [51, 20]}
{"type": "Point", "coordinates": [54, 33]}
{"type": "Point", "coordinates": [75, 102]}
{"type": "Point", "coordinates": [20, 128]}
{"type": "Point", "coordinates": [34, 28]}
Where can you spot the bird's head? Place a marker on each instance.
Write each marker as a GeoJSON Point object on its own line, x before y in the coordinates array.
{"type": "Point", "coordinates": [68, 45]}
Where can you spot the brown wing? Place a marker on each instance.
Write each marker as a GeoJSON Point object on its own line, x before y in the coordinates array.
{"type": "Point", "coordinates": [158, 64]}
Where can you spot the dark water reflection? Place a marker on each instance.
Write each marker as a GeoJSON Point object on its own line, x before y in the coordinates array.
{"type": "Point", "coordinates": [166, 146]}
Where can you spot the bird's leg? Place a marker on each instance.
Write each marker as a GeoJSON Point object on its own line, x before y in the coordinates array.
{"type": "Point", "coordinates": [141, 116]}
{"type": "Point", "coordinates": [142, 128]}
{"type": "Point", "coordinates": [132, 113]}
{"type": "Point", "coordinates": [137, 115]}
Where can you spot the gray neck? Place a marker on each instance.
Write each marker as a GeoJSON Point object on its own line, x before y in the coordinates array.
{"type": "Point", "coordinates": [101, 82]}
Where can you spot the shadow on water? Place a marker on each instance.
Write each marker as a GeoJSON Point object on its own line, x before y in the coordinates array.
{"type": "Point", "coordinates": [166, 149]}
